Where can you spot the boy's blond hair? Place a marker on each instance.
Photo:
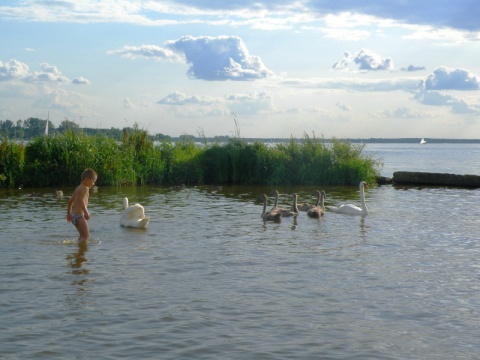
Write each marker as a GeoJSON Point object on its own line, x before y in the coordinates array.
{"type": "Point", "coordinates": [88, 173]}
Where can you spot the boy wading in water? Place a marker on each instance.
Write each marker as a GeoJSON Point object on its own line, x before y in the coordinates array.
{"type": "Point", "coordinates": [77, 205]}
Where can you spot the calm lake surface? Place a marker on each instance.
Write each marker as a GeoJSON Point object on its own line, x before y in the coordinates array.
{"type": "Point", "coordinates": [208, 279]}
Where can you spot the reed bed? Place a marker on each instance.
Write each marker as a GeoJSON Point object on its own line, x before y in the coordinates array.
{"type": "Point", "coordinates": [57, 161]}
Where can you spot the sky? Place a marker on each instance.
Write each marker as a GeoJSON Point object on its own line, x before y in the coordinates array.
{"type": "Point", "coordinates": [278, 69]}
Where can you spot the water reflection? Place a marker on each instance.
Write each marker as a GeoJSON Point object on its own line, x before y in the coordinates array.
{"type": "Point", "coordinates": [77, 259]}
{"type": "Point", "coordinates": [363, 229]}
{"type": "Point", "coordinates": [295, 223]}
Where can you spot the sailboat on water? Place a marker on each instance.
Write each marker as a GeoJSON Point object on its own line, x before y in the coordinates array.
{"type": "Point", "coordinates": [422, 142]}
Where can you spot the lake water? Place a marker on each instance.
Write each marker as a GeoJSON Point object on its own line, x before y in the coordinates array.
{"type": "Point", "coordinates": [208, 279]}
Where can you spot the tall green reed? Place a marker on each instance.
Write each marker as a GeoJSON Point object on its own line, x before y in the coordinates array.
{"type": "Point", "coordinates": [12, 156]}
{"type": "Point", "coordinates": [136, 160]}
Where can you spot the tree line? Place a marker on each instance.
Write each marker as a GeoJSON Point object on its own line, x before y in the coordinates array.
{"type": "Point", "coordinates": [32, 128]}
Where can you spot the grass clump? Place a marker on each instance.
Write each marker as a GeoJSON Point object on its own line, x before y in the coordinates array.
{"type": "Point", "coordinates": [137, 160]}
{"type": "Point", "coordinates": [12, 159]}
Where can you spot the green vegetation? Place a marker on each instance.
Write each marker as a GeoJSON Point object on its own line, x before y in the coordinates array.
{"type": "Point", "coordinates": [58, 160]}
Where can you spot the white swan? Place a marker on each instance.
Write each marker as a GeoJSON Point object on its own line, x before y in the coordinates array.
{"type": "Point", "coordinates": [319, 208]}
{"type": "Point", "coordinates": [133, 216]}
{"type": "Point", "coordinates": [350, 208]}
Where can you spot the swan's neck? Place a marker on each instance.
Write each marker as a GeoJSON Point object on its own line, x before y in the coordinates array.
{"type": "Point", "coordinates": [318, 199]}
{"type": "Point", "coordinates": [294, 205]}
{"type": "Point", "coordinates": [264, 206]}
{"type": "Point", "coordinates": [322, 201]}
{"type": "Point", "coordinates": [125, 203]}
{"type": "Point", "coordinates": [362, 198]}
{"type": "Point", "coordinates": [276, 200]}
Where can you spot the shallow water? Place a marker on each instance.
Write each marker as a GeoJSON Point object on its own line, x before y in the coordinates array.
{"type": "Point", "coordinates": [208, 279]}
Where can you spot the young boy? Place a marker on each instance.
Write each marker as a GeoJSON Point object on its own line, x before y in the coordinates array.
{"type": "Point", "coordinates": [77, 205]}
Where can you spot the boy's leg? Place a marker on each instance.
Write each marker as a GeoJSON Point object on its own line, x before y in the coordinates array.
{"type": "Point", "coordinates": [84, 233]}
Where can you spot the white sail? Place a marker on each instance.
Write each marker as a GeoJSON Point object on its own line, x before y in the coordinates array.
{"type": "Point", "coordinates": [46, 126]}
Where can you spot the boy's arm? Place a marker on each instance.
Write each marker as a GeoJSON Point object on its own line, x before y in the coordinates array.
{"type": "Point", "coordinates": [69, 208]}
{"type": "Point", "coordinates": [82, 200]}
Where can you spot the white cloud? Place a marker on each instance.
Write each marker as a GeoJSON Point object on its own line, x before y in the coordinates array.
{"type": "Point", "coordinates": [50, 73]}
{"type": "Point", "coordinates": [148, 52]}
{"type": "Point", "coordinates": [444, 78]}
{"type": "Point", "coordinates": [368, 60]}
{"type": "Point", "coordinates": [458, 106]}
{"type": "Point", "coordinates": [210, 58]}
{"type": "Point", "coordinates": [219, 58]}
{"type": "Point", "coordinates": [179, 98]}
{"type": "Point", "coordinates": [460, 14]}
{"type": "Point", "coordinates": [343, 62]}
{"type": "Point", "coordinates": [13, 69]}
{"type": "Point", "coordinates": [80, 81]}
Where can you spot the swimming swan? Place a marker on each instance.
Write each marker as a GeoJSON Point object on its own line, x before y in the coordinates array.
{"type": "Point", "coordinates": [293, 211]}
{"type": "Point", "coordinates": [352, 209]}
{"type": "Point", "coordinates": [133, 216]}
{"type": "Point", "coordinates": [319, 208]}
{"type": "Point", "coordinates": [272, 215]}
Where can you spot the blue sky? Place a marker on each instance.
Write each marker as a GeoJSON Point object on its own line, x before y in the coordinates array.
{"type": "Point", "coordinates": [343, 69]}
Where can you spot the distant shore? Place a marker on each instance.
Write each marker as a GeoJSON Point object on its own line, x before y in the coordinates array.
{"type": "Point", "coordinates": [382, 140]}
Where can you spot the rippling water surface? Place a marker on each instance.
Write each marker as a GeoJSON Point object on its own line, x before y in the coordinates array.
{"type": "Point", "coordinates": [209, 280]}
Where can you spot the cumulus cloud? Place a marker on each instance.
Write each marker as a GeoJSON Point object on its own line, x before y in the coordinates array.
{"type": "Point", "coordinates": [368, 60]}
{"type": "Point", "coordinates": [343, 62]}
{"type": "Point", "coordinates": [13, 69]}
{"type": "Point", "coordinates": [444, 78]}
{"type": "Point", "coordinates": [50, 73]}
{"type": "Point", "coordinates": [219, 58]}
{"type": "Point", "coordinates": [210, 58]}
{"type": "Point", "coordinates": [80, 81]}
{"type": "Point", "coordinates": [365, 59]}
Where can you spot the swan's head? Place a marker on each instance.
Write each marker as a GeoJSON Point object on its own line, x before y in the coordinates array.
{"type": "Point", "coordinates": [262, 197]}
{"type": "Point", "coordinates": [363, 184]}
{"type": "Point", "coordinates": [323, 194]}
{"type": "Point", "coordinates": [125, 202]}
{"type": "Point", "coordinates": [274, 193]}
